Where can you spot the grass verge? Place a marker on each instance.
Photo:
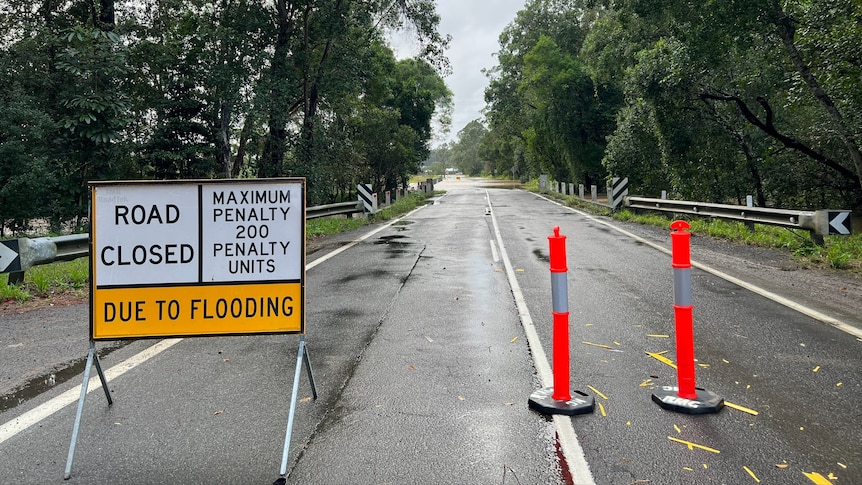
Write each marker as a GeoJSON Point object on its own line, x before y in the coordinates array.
{"type": "Point", "coordinates": [838, 252]}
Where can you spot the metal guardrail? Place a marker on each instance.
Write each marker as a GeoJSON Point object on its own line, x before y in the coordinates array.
{"type": "Point", "coordinates": [819, 223]}
{"type": "Point", "coordinates": [333, 209]}
{"type": "Point", "coordinates": [46, 250]}
{"type": "Point", "coordinates": [761, 215]}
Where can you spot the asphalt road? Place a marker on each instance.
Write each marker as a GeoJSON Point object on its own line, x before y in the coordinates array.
{"type": "Point", "coordinates": [424, 362]}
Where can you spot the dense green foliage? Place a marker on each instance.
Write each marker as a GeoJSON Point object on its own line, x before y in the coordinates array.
{"type": "Point", "coordinates": [173, 89]}
{"type": "Point", "coordinates": [710, 100]}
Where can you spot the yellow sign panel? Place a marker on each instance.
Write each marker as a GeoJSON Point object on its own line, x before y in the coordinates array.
{"type": "Point", "coordinates": [221, 310]}
{"type": "Point", "coordinates": [185, 258]}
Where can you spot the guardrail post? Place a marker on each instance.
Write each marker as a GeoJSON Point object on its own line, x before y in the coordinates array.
{"type": "Point", "coordinates": [16, 278]}
{"type": "Point", "coordinates": [749, 202]}
{"type": "Point", "coordinates": [581, 191]}
{"type": "Point", "coordinates": [594, 193]}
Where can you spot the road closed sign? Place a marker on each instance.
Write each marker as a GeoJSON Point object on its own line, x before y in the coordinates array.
{"type": "Point", "coordinates": [195, 258]}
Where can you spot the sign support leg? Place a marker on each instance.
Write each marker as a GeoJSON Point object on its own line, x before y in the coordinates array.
{"type": "Point", "coordinates": [301, 357]}
{"type": "Point", "coordinates": [91, 357]}
{"type": "Point", "coordinates": [308, 368]}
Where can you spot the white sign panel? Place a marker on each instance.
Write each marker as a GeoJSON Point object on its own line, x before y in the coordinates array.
{"type": "Point", "coordinates": [153, 235]}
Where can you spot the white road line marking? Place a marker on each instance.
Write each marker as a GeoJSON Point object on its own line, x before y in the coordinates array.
{"type": "Point", "coordinates": [495, 256]}
{"type": "Point", "coordinates": [43, 411]}
{"type": "Point", "coordinates": [37, 414]}
{"type": "Point", "coordinates": [810, 312]}
{"type": "Point", "coordinates": [572, 451]}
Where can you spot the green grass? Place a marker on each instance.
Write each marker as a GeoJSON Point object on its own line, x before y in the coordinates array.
{"type": "Point", "coordinates": [326, 226]}
{"type": "Point", "coordinates": [837, 252]}
{"type": "Point", "coordinates": [48, 279]}
{"type": "Point", "coordinates": [73, 276]}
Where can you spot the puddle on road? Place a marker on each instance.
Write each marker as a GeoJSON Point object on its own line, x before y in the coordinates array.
{"type": "Point", "coordinates": [393, 239]}
{"type": "Point", "coordinates": [395, 246]}
{"type": "Point", "coordinates": [541, 256]}
{"type": "Point", "coordinates": [53, 378]}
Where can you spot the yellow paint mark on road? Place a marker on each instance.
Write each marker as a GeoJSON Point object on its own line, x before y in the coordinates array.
{"type": "Point", "coordinates": [741, 408]}
{"type": "Point", "coordinates": [598, 392]}
{"type": "Point", "coordinates": [751, 473]}
{"type": "Point", "coordinates": [661, 358]}
{"type": "Point", "coordinates": [692, 446]}
{"type": "Point", "coordinates": [817, 478]}
{"type": "Point", "coordinates": [598, 345]}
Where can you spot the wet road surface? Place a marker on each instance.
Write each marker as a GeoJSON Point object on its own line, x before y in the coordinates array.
{"type": "Point", "coordinates": [421, 359]}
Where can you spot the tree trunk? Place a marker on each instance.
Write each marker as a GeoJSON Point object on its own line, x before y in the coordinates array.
{"type": "Point", "coordinates": [787, 31]}
{"type": "Point", "coordinates": [276, 140]}
{"type": "Point", "coordinates": [224, 138]}
{"type": "Point", "coordinates": [239, 159]}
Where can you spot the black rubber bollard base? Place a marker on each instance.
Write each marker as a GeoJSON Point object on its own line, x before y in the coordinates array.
{"type": "Point", "coordinates": [542, 402]}
{"type": "Point", "coordinates": [706, 402]}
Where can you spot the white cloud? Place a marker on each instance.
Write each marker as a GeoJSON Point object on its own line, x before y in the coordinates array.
{"type": "Point", "coordinates": [475, 27]}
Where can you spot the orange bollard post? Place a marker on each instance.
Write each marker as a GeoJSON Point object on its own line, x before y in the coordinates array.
{"type": "Point", "coordinates": [686, 397]}
{"type": "Point", "coordinates": [558, 399]}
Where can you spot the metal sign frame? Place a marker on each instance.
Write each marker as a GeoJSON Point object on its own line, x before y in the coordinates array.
{"type": "Point", "coordinates": [197, 258]}
{"type": "Point", "coordinates": [238, 295]}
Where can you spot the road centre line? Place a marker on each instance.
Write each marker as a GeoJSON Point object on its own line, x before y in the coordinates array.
{"type": "Point", "coordinates": [568, 439]}
{"type": "Point", "coordinates": [810, 312]}
{"type": "Point", "coordinates": [45, 410]}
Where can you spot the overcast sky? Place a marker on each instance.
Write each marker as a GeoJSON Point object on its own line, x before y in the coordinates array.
{"type": "Point", "coordinates": [475, 27]}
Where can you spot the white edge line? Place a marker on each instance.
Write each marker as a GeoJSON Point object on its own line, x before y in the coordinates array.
{"type": "Point", "coordinates": [495, 256]}
{"type": "Point", "coordinates": [571, 448]}
{"type": "Point", "coordinates": [37, 414]}
{"type": "Point", "coordinates": [43, 411]}
{"type": "Point", "coordinates": [810, 312]}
